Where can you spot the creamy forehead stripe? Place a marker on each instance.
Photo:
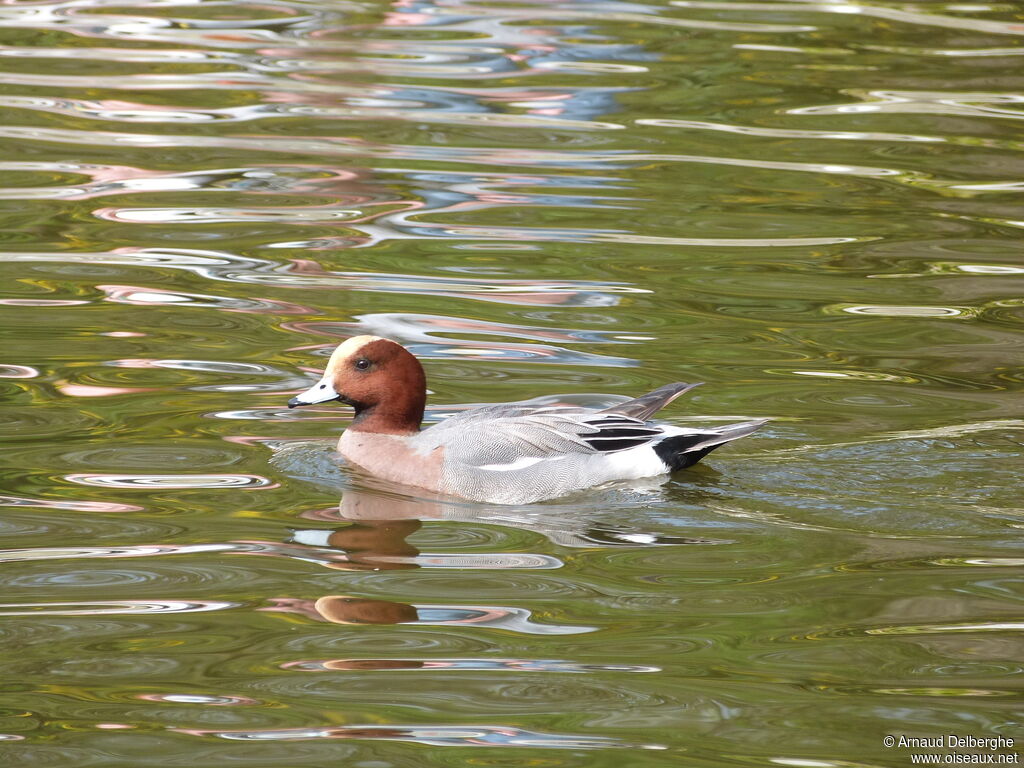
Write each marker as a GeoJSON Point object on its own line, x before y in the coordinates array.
{"type": "Point", "coordinates": [348, 348]}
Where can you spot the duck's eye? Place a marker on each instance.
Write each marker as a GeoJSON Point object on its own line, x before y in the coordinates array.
{"type": "Point", "coordinates": [362, 363]}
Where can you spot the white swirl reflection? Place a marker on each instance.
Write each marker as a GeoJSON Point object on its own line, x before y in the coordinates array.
{"type": "Point", "coordinates": [434, 337]}
{"type": "Point", "coordinates": [227, 267]}
{"type": "Point", "coordinates": [130, 294]}
{"type": "Point", "coordinates": [150, 482]}
{"type": "Point", "coordinates": [927, 629]}
{"type": "Point", "coordinates": [73, 553]}
{"type": "Point", "coordinates": [198, 698]}
{"type": "Point", "coordinates": [11, 371]}
{"type": "Point", "coordinates": [76, 506]}
{"type": "Point", "coordinates": [434, 735]}
{"type": "Point", "coordinates": [113, 607]}
{"type": "Point", "coordinates": [900, 311]}
{"type": "Point", "coordinates": [907, 15]}
{"type": "Point", "coordinates": [461, 665]}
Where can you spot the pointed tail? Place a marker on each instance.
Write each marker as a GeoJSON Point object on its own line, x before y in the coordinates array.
{"type": "Point", "coordinates": [645, 406]}
{"type": "Point", "coordinates": [685, 450]}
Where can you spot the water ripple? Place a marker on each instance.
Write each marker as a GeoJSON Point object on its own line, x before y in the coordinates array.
{"type": "Point", "coordinates": [424, 336]}
{"type": "Point", "coordinates": [10, 371]}
{"type": "Point", "coordinates": [905, 15]}
{"type": "Point", "coordinates": [202, 197]}
{"type": "Point", "coordinates": [65, 553]}
{"type": "Point", "coordinates": [78, 506]}
{"type": "Point", "coordinates": [434, 735]}
{"type": "Point", "coordinates": [790, 133]}
{"type": "Point", "coordinates": [929, 102]}
{"type": "Point", "coordinates": [459, 665]}
{"type": "Point", "coordinates": [342, 609]}
{"type": "Point", "coordinates": [929, 629]}
{"type": "Point", "coordinates": [226, 267]}
{"type": "Point", "coordinates": [213, 215]}
{"type": "Point", "coordinates": [150, 482]}
{"type": "Point", "coordinates": [112, 607]}
{"type": "Point", "coordinates": [199, 698]}
{"type": "Point", "coordinates": [578, 160]}
{"type": "Point", "coordinates": [137, 295]}
{"type": "Point", "coordinates": [130, 112]}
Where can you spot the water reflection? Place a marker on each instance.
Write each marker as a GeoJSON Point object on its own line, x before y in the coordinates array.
{"type": "Point", "coordinates": [375, 537]}
{"type": "Point", "coordinates": [808, 203]}
{"type": "Point", "coordinates": [381, 545]}
{"type": "Point", "coordinates": [145, 481]}
{"type": "Point", "coordinates": [198, 698]}
{"type": "Point", "coordinates": [460, 665]}
{"type": "Point", "coordinates": [304, 274]}
{"type": "Point", "coordinates": [345, 609]}
{"type": "Point", "coordinates": [112, 607]}
{"type": "Point", "coordinates": [425, 336]}
{"type": "Point", "coordinates": [370, 504]}
{"type": "Point", "coordinates": [434, 735]}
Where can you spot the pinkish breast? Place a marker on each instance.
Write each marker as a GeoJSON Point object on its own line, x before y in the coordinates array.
{"type": "Point", "coordinates": [390, 457]}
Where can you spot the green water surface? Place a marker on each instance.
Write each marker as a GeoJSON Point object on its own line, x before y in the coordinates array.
{"type": "Point", "coordinates": [815, 209]}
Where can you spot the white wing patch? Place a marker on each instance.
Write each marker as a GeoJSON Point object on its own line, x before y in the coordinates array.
{"type": "Point", "coordinates": [521, 463]}
{"type": "Point", "coordinates": [635, 463]}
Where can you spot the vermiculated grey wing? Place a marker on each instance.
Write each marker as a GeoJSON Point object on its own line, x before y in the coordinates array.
{"type": "Point", "coordinates": [505, 440]}
{"type": "Point", "coordinates": [638, 409]}
{"type": "Point", "coordinates": [503, 410]}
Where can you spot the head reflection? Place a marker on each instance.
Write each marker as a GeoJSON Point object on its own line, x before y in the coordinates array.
{"type": "Point", "coordinates": [375, 537]}
{"type": "Point", "coordinates": [367, 545]}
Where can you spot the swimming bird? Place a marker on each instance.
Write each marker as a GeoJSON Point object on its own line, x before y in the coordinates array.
{"type": "Point", "coordinates": [513, 453]}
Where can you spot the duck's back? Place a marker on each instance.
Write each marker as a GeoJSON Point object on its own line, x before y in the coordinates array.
{"type": "Point", "coordinates": [517, 454]}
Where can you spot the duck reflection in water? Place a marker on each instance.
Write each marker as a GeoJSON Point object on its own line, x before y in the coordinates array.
{"type": "Point", "coordinates": [345, 609]}
{"type": "Point", "coordinates": [376, 539]}
{"type": "Point", "coordinates": [378, 545]}
{"type": "Point", "coordinates": [381, 518]}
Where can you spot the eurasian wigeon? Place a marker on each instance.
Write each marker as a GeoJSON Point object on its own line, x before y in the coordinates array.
{"type": "Point", "coordinates": [513, 453]}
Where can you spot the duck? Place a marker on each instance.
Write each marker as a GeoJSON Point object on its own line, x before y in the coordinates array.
{"type": "Point", "coordinates": [509, 453]}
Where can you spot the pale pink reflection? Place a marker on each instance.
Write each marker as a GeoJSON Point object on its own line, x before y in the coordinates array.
{"type": "Point", "coordinates": [344, 186]}
{"type": "Point", "coordinates": [297, 215]}
{"type": "Point", "coordinates": [89, 390]}
{"type": "Point", "coordinates": [427, 335]}
{"type": "Point", "coordinates": [304, 274]}
{"type": "Point", "coordinates": [274, 415]}
{"type": "Point", "coordinates": [12, 371]}
{"type": "Point", "coordinates": [155, 482]}
{"type": "Point", "coordinates": [460, 665]}
{"type": "Point", "coordinates": [90, 553]}
{"type": "Point", "coordinates": [144, 296]}
{"type": "Point", "coordinates": [199, 698]}
{"type": "Point", "coordinates": [435, 735]}
{"type": "Point", "coordinates": [75, 506]}
{"type": "Point", "coordinates": [504, 291]}
{"type": "Point", "coordinates": [112, 607]}
{"type": "Point", "coordinates": [42, 302]}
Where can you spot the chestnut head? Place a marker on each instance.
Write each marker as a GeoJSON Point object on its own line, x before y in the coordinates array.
{"type": "Point", "coordinates": [382, 380]}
